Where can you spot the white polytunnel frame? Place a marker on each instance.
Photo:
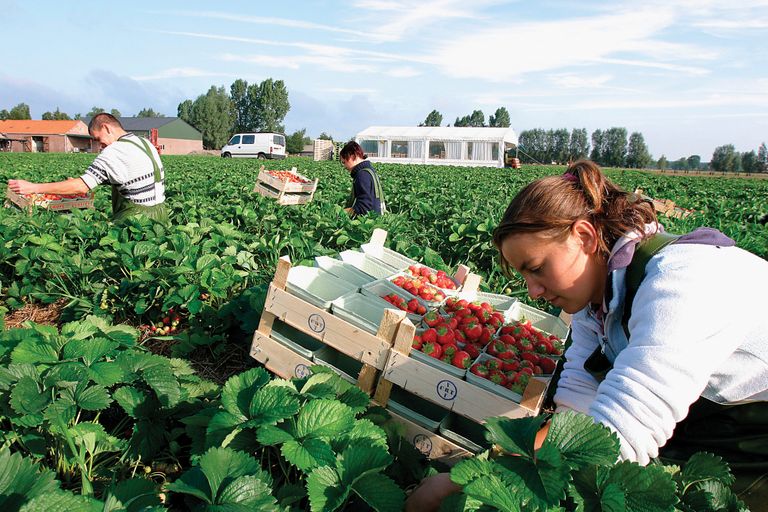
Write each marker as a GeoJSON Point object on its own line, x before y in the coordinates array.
{"type": "Point", "coordinates": [439, 145]}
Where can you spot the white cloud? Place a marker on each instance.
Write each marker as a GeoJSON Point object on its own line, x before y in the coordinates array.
{"type": "Point", "coordinates": [403, 72]}
{"type": "Point", "coordinates": [560, 44]}
{"type": "Point", "coordinates": [178, 73]}
{"type": "Point", "coordinates": [571, 81]}
{"type": "Point", "coordinates": [349, 90]}
{"type": "Point", "coordinates": [297, 61]}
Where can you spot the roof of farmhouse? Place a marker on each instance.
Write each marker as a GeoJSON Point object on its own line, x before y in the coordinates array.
{"type": "Point", "coordinates": [446, 133]}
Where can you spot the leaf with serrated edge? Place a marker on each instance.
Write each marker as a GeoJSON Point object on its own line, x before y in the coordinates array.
{"type": "Point", "coordinates": [360, 459]}
{"type": "Point", "coordinates": [62, 501]}
{"type": "Point", "coordinates": [163, 383]}
{"type": "Point", "coordinates": [250, 491]}
{"type": "Point", "coordinates": [325, 490]}
{"type": "Point", "coordinates": [194, 483]}
{"type": "Point", "coordinates": [273, 404]}
{"type": "Point", "coordinates": [220, 464]}
{"type": "Point", "coordinates": [514, 436]}
{"type": "Point", "coordinates": [270, 435]}
{"type": "Point", "coordinates": [93, 398]}
{"type": "Point", "coordinates": [647, 488]}
{"type": "Point", "coordinates": [308, 453]}
{"type": "Point", "coordinates": [471, 469]}
{"type": "Point", "coordinates": [21, 479]}
{"type": "Point", "coordinates": [494, 491]}
{"type": "Point", "coordinates": [27, 397]}
{"type": "Point", "coordinates": [380, 492]}
{"type": "Point", "coordinates": [324, 418]}
{"type": "Point", "coordinates": [34, 352]}
{"type": "Point", "coordinates": [706, 466]}
{"type": "Point", "coordinates": [219, 427]}
{"type": "Point", "coordinates": [581, 440]}
{"type": "Point", "coordinates": [238, 391]}
{"type": "Point", "coordinates": [356, 399]}
{"type": "Point", "coordinates": [362, 430]}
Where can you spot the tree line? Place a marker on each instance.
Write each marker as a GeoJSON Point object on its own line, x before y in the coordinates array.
{"type": "Point", "coordinates": [21, 111]}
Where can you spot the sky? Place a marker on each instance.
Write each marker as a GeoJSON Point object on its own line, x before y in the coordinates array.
{"type": "Point", "coordinates": [690, 75]}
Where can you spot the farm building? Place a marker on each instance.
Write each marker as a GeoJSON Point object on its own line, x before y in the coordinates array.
{"type": "Point", "coordinates": [437, 145]}
{"type": "Point", "coordinates": [174, 135]}
{"type": "Point", "coordinates": [28, 135]}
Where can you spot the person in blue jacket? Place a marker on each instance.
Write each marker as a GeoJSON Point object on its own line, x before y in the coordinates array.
{"type": "Point", "coordinates": [366, 193]}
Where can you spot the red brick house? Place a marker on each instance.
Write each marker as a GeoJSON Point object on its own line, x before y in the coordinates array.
{"type": "Point", "coordinates": [30, 135]}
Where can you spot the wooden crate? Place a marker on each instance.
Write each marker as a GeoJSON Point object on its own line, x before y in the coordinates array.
{"type": "Point", "coordinates": [284, 191]}
{"type": "Point", "coordinates": [371, 350]}
{"type": "Point", "coordinates": [665, 207]}
{"type": "Point", "coordinates": [452, 393]}
{"type": "Point", "coordinates": [59, 205]}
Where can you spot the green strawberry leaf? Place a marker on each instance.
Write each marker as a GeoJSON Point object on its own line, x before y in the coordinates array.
{"type": "Point", "coordinates": [380, 492]}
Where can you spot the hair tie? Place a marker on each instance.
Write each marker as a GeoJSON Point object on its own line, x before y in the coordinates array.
{"type": "Point", "coordinates": [567, 176]}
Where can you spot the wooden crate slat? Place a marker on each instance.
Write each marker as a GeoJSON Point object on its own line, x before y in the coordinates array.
{"type": "Point", "coordinates": [278, 358]}
{"type": "Point", "coordinates": [431, 444]}
{"type": "Point", "coordinates": [331, 330]}
{"type": "Point", "coordinates": [453, 394]}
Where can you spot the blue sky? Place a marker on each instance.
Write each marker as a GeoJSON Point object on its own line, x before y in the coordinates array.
{"type": "Point", "coordinates": [689, 75]}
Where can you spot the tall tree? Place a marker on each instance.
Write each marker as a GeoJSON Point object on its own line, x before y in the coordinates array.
{"type": "Point", "coordinates": [598, 146]}
{"type": "Point", "coordinates": [272, 105]}
{"type": "Point", "coordinates": [500, 119]}
{"type": "Point", "coordinates": [749, 162]}
{"type": "Point", "coordinates": [762, 158]}
{"type": "Point", "coordinates": [694, 161]}
{"type": "Point", "coordinates": [56, 115]}
{"type": "Point", "coordinates": [115, 112]}
{"type": "Point", "coordinates": [638, 156]}
{"type": "Point", "coordinates": [94, 111]}
{"type": "Point", "coordinates": [578, 147]}
{"type": "Point", "coordinates": [434, 118]}
{"type": "Point", "coordinates": [295, 142]}
{"type": "Point", "coordinates": [615, 147]}
{"type": "Point", "coordinates": [559, 146]}
{"type": "Point", "coordinates": [325, 136]}
{"type": "Point", "coordinates": [214, 115]}
{"type": "Point", "coordinates": [477, 119]}
{"type": "Point", "coordinates": [4, 115]}
{"type": "Point", "coordinates": [20, 111]}
{"type": "Point", "coordinates": [185, 112]}
{"type": "Point", "coordinates": [724, 158]}
{"type": "Point", "coordinates": [662, 163]}
{"type": "Point", "coordinates": [149, 112]}
{"type": "Point", "coordinates": [244, 100]}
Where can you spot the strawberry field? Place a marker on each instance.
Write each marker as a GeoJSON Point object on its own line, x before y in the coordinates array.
{"type": "Point", "coordinates": [126, 402]}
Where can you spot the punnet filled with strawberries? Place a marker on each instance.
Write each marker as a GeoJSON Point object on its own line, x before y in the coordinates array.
{"type": "Point", "coordinates": [288, 176]}
{"type": "Point", "coordinates": [434, 277]}
{"type": "Point", "coordinates": [419, 287]}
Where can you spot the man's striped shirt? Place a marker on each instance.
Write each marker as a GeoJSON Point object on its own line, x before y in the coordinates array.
{"type": "Point", "coordinates": [125, 165]}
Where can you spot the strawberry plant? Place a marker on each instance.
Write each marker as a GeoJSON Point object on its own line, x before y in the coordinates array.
{"type": "Point", "coordinates": [576, 468]}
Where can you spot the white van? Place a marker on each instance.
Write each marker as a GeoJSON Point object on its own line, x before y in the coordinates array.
{"type": "Point", "coordinates": [255, 145]}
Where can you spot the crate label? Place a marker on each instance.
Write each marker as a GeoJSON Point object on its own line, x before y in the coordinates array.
{"type": "Point", "coordinates": [301, 371]}
{"type": "Point", "coordinates": [316, 323]}
{"type": "Point", "coordinates": [446, 390]}
{"type": "Point", "coordinates": [423, 444]}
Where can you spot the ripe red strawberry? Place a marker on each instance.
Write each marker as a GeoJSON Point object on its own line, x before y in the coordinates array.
{"type": "Point", "coordinates": [462, 303]}
{"type": "Point", "coordinates": [485, 334]}
{"type": "Point", "coordinates": [432, 318]}
{"type": "Point", "coordinates": [524, 344]}
{"type": "Point", "coordinates": [507, 339]}
{"type": "Point", "coordinates": [453, 322]}
{"type": "Point", "coordinates": [547, 364]}
{"type": "Point", "coordinates": [496, 347]}
{"type": "Point", "coordinates": [497, 377]}
{"type": "Point", "coordinates": [417, 343]}
{"type": "Point", "coordinates": [472, 330]}
{"type": "Point", "coordinates": [461, 359]}
{"type": "Point", "coordinates": [483, 315]}
{"type": "Point", "coordinates": [449, 350]}
{"type": "Point", "coordinates": [432, 349]}
{"type": "Point", "coordinates": [507, 355]}
{"type": "Point", "coordinates": [530, 356]}
{"type": "Point", "coordinates": [480, 370]}
{"type": "Point", "coordinates": [528, 370]}
{"type": "Point", "coordinates": [429, 336]}
{"type": "Point", "coordinates": [450, 303]}
{"type": "Point", "coordinates": [427, 295]}
{"type": "Point", "coordinates": [413, 305]}
{"type": "Point", "coordinates": [458, 335]}
{"type": "Point", "coordinates": [510, 366]}
{"type": "Point", "coordinates": [493, 364]}
{"type": "Point", "coordinates": [444, 334]}
{"type": "Point", "coordinates": [543, 347]}
{"type": "Point", "coordinates": [472, 349]}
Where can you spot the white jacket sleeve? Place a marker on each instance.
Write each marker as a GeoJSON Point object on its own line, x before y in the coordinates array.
{"type": "Point", "coordinates": [576, 389]}
{"type": "Point", "coordinates": [685, 324]}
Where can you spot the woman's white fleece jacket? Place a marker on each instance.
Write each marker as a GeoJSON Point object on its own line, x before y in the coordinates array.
{"type": "Point", "coordinates": [699, 327]}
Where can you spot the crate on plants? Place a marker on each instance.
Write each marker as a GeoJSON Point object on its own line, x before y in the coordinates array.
{"type": "Point", "coordinates": [287, 187]}
{"type": "Point", "coordinates": [414, 306]}
{"type": "Point", "coordinates": [54, 202]}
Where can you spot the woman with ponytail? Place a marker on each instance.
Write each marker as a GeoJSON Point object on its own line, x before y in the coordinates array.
{"type": "Point", "coordinates": [669, 333]}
